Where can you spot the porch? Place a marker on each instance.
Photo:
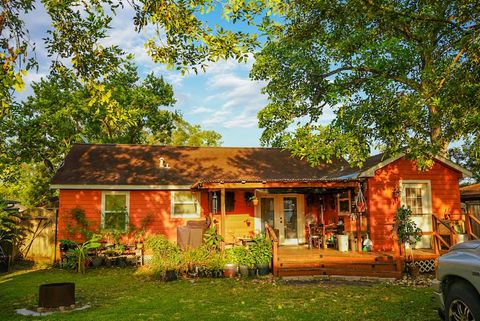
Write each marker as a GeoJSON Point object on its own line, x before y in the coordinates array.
{"type": "Point", "coordinates": [300, 260]}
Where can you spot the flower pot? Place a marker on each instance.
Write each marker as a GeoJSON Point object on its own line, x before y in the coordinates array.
{"type": "Point", "coordinates": [230, 270]}
{"type": "Point", "coordinates": [263, 268]}
{"type": "Point", "coordinates": [255, 202]}
{"type": "Point", "coordinates": [243, 269]}
{"type": "Point", "coordinates": [170, 275]}
{"type": "Point", "coordinates": [414, 270]}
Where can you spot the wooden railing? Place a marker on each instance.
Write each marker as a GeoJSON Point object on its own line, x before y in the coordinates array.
{"type": "Point", "coordinates": [470, 221]}
{"type": "Point", "coordinates": [270, 232]}
{"type": "Point", "coordinates": [438, 239]}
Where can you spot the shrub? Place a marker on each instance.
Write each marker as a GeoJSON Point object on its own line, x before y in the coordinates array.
{"type": "Point", "coordinates": [166, 255]}
{"type": "Point", "coordinates": [261, 249]}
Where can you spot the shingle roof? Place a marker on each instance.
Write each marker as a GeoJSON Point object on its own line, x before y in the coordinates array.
{"type": "Point", "coordinates": [110, 164]}
{"type": "Point", "coordinates": [118, 164]}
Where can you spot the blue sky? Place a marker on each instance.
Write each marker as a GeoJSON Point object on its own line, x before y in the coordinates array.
{"type": "Point", "coordinates": [223, 99]}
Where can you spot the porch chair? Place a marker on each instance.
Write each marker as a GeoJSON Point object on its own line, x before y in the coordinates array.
{"type": "Point", "coordinates": [315, 236]}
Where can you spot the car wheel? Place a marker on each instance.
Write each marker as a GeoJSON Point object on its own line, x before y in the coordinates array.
{"type": "Point", "coordinates": [462, 303]}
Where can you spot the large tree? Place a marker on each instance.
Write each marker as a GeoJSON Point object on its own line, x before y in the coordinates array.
{"type": "Point", "coordinates": [400, 76]}
{"type": "Point", "coordinates": [40, 131]}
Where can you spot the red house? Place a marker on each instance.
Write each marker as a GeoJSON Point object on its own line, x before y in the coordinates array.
{"type": "Point", "coordinates": [177, 184]}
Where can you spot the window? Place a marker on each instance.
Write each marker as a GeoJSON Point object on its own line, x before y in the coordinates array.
{"type": "Point", "coordinates": [185, 204]}
{"type": "Point", "coordinates": [414, 200]}
{"type": "Point", "coordinates": [344, 203]}
{"type": "Point", "coordinates": [115, 208]}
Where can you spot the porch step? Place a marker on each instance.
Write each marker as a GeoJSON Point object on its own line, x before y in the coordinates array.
{"type": "Point", "coordinates": [342, 272]}
{"type": "Point", "coordinates": [333, 266]}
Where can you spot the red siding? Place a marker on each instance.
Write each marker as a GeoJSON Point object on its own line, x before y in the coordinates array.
{"type": "Point", "coordinates": [382, 205]}
{"type": "Point", "coordinates": [89, 201]}
{"type": "Point", "coordinates": [142, 203]}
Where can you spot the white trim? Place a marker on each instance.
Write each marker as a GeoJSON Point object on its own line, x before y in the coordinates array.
{"type": "Point", "coordinates": [426, 240]}
{"type": "Point", "coordinates": [127, 201]}
{"type": "Point", "coordinates": [196, 200]}
{"type": "Point", "coordinates": [465, 172]}
{"type": "Point", "coordinates": [120, 187]}
{"type": "Point", "coordinates": [370, 172]}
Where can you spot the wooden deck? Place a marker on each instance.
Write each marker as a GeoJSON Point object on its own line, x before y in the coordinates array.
{"type": "Point", "coordinates": [299, 260]}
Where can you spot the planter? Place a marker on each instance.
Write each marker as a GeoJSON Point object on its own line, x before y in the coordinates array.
{"type": "Point", "coordinates": [414, 270]}
{"type": "Point", "coordinates": [54, 295]}
{"type": "Point", "coordinates": [243, 269]}
{"type": "Point", "coordinates": [263, 268]}
{"type": "Point", "coordinates": [255, 202]}
{"type": "Point", "coordinates": [170, 275]}
{"type": "Point", "coordinates": [230, 270]}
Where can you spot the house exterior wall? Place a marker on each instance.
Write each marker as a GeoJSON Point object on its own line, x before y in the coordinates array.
{"type": "Point", "coordinates": [382, 205]}
{"type": "Point", "coordinates": [142, 203]}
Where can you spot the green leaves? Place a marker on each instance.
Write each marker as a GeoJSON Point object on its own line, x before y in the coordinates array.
{"type": "Point", "coordinates": [399, 76]}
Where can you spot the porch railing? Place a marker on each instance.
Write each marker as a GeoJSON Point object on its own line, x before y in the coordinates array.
{"type": "Point", "coordinates": [439, 242]}
{"type": "Point", "coordinates": [270, 232]}
{"type": "Point", "coordinates": [470, 221]}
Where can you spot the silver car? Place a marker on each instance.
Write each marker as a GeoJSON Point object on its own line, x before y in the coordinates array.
{"type": "Point", "coordinates": [457, 286]}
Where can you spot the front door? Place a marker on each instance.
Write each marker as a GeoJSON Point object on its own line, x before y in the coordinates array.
{"type": "Point", "coordinates": [416, 195]}
{"type": "Point", "coordinates": [286, 214]}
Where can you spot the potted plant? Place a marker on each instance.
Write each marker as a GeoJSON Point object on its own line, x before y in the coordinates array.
{"type": "Point", "coordinates": [254, 200]}
{"type": "Point", "coordinates": [261, 249]}
{"type": "Point", "coordinates": [246, 261]}
{"type": "Point", "coordinates": [408, 233]}
{"type": "Point", "coordinates": [81, 251]}
{"type": "Point", "coordinates": [230, 269]}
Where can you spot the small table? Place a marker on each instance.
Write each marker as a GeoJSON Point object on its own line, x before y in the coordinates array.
{"type": "Point", "coordinates": [245, 240]}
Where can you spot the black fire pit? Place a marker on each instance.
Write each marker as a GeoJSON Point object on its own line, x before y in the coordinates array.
{"type": "Point", "coordinates": [55, 295]}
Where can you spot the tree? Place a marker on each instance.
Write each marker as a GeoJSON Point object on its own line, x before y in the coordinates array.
{"type": "Point", "coordinates": [400, 76]}
{"type": "Point", "coordinates": [39, 132]}
{"type": "Point", "coordinates": [183, 39]}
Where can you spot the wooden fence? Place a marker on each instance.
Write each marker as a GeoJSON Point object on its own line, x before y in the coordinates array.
{"type": "Point", "coordinates": [37, 242]}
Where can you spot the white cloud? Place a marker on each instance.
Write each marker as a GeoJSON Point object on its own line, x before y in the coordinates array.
{"type": "Point", "coordinates": [201, 110]}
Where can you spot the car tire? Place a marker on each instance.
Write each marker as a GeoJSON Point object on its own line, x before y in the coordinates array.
{"type": "Point", "coordinates": [462, 302]}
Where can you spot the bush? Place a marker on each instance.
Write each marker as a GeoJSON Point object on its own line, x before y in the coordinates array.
{"type": "Point", "coordinates": [166, 255]}
{"type": "Point", "coordinates": [261, 249]}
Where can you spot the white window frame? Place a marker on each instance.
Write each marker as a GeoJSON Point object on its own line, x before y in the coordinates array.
{"type": "Point", "coordinates": [127, 208]}
{"type": "Point", "coordinates": [196, 198]}
{"type": "Point", "coordinates": [418, 183]}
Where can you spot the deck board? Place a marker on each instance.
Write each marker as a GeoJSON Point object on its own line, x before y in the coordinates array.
{"type": "Point", "coordinates": [300, 260]}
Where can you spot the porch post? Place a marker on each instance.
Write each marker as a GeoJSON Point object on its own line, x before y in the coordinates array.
{"type": "Point", "coordinates": [223, 211]}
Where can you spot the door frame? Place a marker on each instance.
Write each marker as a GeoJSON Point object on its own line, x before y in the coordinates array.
{"type": "Point", "coordinates": [426, 240]}
{"type": "Point", "coordinates": [278, 211]}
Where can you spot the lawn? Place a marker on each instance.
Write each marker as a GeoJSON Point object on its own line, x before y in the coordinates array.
{"type": "Point", "coordinates": [117, 294]}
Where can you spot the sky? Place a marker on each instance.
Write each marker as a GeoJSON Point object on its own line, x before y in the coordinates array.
{"type": "Point", "coordinates": [223, 99]}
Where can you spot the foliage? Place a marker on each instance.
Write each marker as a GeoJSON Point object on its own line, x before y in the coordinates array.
{"type": "Point", "coordinates": [407, 230]}
{"type": "Point", "coordinates": [81, 251]}
{"type": "Point", "coordinates": [186, 134]}
{"type": "Point", "coordinates": [139, 231]}
{"type": "Point", "coordinates": [166, 255]}
{"type": "Point", "coordinates": [261, 249]}
{"type": "Point", "coordinates": [212, 239]}
{"type": "Point", "coordinates": [37, 134]}
{"type": "Point", "coordinates": [80, 224]}
{"type": "Point", "coordinates": [395, 76]}
{"type": "Point", "coordinates": [244, 256]}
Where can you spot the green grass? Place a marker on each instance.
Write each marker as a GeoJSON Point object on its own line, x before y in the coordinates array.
{"type": "Point", "coordinates": [117, 294]}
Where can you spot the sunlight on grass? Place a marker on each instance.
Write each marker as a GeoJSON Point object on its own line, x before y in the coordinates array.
{"type": "Point", "coordinates": [117, 294]}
